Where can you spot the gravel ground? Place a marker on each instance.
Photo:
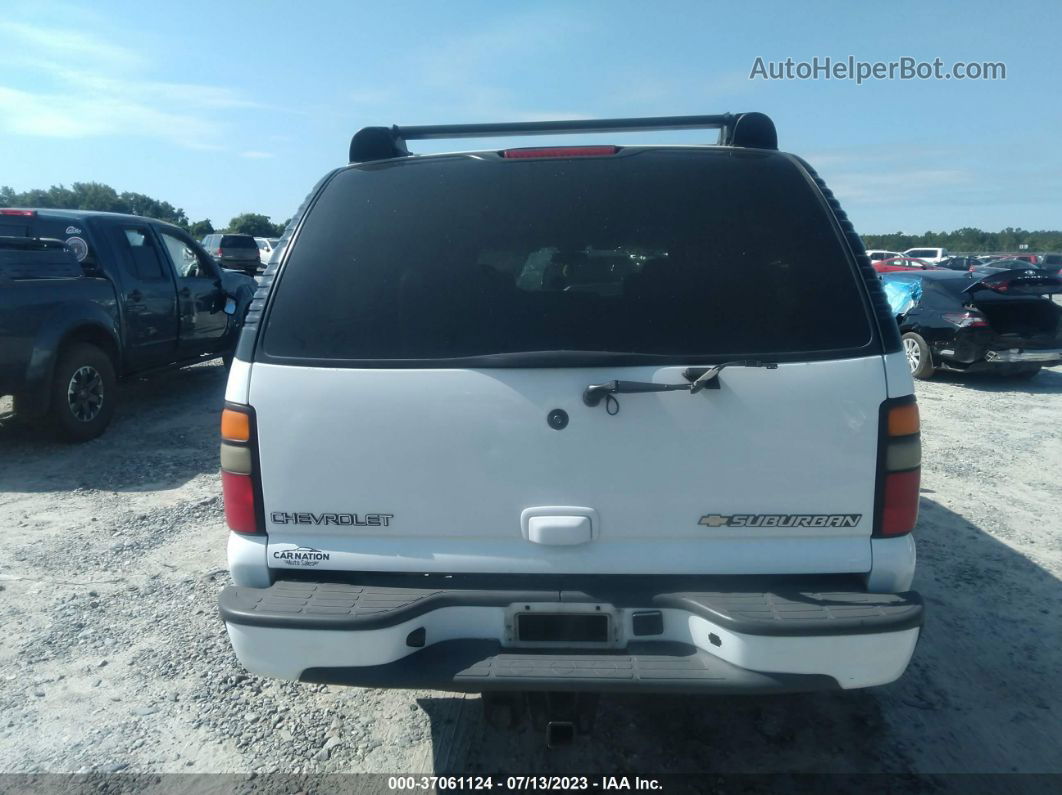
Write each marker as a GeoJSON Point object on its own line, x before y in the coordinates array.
{"type": "Point", "coordinates": [113, 657]}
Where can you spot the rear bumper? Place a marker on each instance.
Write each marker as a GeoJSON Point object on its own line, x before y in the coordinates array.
{"type": "Point", "coordinates": [1017, 355]}
{"type": "Point", "coordinates": [978, 351]}
{"type": "Point", "coordinates": [793, 636]}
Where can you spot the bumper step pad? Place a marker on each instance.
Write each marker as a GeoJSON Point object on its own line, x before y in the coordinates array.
{"type": "Point", "coordinates": [787, 607]}
{"type": "Point", "coordinates": [477, 666]}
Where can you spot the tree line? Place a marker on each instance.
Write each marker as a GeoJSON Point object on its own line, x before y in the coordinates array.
{"type": "Point", "coordinates": [97, 196]}
{"type": "Point", "coordinates": [971, 240]}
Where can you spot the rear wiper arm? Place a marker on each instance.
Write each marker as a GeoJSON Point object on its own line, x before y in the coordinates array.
{"type": "Point", "coordinates": [595, 393]}
{"type": "Point", "coordinates": [709, 376]}
{"type": "Point", "coordinates": [699, 378]}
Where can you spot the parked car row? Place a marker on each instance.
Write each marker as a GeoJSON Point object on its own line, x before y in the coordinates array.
{"type": "Point", "coordinates": [934, 258]}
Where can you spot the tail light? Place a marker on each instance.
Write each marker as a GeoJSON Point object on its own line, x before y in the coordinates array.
{"type": "Point", "coordinates": [24, 213]}
{"type": "Point", "coordinates": [217, 253]}
{"type": "Point", "coordinates": [965, 319]}
{"type": "Point", "coordinates": [899, 468]}
{"type": "Point", "coordinates": [240, 483]}
{"type": "Point", "coordinates": [559, 151]}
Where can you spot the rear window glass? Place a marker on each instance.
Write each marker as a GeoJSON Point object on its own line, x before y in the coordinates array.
{"type": "Point", "coordinates": [238, 241]}
{"type": "Point", "coordinates": [673, 254]}
{"type": "Point", "coordinates": [72, 232]}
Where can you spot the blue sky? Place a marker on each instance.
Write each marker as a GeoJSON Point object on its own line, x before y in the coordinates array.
{"type": "Point", "coordinates": [226, 107]}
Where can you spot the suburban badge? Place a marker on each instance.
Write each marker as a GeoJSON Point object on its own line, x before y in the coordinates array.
{"type": "Point", "coordinates": [781, 520]}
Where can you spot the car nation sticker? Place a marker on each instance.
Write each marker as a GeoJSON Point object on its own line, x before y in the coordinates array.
{"type": "Point", "coordinates": [300, 556]}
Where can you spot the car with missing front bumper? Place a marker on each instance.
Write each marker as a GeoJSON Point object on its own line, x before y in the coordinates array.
{"type": "Point", "coordinates": [496, 425]}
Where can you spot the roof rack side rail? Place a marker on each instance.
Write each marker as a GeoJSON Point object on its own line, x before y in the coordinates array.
{"type": "Point", "coordinates": [747, 130]}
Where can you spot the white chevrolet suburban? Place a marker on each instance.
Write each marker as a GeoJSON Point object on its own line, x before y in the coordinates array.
{"type": "Point", "coordinates": [572, 419]}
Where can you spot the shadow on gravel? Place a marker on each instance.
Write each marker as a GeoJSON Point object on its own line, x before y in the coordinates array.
{"type": "Point", "coordinates": [1047, 381]}
{"type": "Point", "coordinates": [163, 434]}
{"type": "Point", "coordinates": [980, 696]}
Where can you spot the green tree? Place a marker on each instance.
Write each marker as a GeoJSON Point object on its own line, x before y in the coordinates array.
{"type": "Point", "coordinates": [95, 196]}
{"type": "Point", "coordinates": [971, 240]}
{"type": "Point", "coordinates": [201, 229]}
{"type": "Point", "coordinates": [139, 204]}
{"type": "Point", "coordinates": [255, 224]}
{"type": "Point", "coordinates": [92, 196]}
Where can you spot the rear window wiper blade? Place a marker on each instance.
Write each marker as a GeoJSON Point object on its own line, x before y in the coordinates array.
{"type": "Point", "coordinates": [699, 378]}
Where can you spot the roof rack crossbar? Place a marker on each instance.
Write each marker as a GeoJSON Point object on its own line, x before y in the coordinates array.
{"type": "Point", "coordinates": [566, 126]}
{"type": "Point", "coordinates": [753, 130]}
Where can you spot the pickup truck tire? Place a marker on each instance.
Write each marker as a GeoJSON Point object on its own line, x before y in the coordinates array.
{"type": "Point", "coordinates": [83, 392]}
{"type": "Point", "coordinates": [919, 357]}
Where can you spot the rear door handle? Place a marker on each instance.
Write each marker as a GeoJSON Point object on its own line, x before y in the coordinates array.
{"type": "Point", "coordinates": [136, 295]}
{"type": "Point", "coordinates": [559, 525]}
{"type": "Point", "coordinates": [186, 293]}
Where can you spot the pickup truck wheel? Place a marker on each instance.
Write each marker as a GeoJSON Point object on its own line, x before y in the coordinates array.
{"type": "Point", "coordinates": [919, 357]}
{"type": "Point", "coordinates": [83, 392]}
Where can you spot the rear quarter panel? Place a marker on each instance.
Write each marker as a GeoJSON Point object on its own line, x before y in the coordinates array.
{"type": "Point", "coordinates": [35, 317]}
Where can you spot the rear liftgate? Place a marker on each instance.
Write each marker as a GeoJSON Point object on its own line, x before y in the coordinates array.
{"type": "Point", "coordinates": [560, 714]}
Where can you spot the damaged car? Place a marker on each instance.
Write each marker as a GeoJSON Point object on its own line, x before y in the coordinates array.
{"type": "Point", "coordinates": [1003, 322]}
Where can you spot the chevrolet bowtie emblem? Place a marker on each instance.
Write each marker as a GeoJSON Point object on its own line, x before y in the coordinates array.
{"type": "Point", "coordinates": [714, 520]}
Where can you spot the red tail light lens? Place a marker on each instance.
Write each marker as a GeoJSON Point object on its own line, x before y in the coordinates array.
{"type": "Point", "coordinates": [560, 151]}
{"type": "Point", "coordinates": [238, 491]}
{"type": "Point", "coordinates": [900, 509]}
{"type": "Point", "coordinates": [25, 213]}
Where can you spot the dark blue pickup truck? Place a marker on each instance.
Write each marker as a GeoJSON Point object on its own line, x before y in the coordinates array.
{"type": "Point", "coordinates": [89, 298]}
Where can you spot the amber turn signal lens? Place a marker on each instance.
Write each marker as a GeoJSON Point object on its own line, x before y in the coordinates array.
{"type": "Point", "coordinates": [903, 420]}
{"type": "Point", "coordinates": [235, 426]}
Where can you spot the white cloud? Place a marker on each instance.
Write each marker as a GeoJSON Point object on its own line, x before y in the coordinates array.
{"type": "Point", "coordinates": [72, 45]}
{"type": "Point", "coordinates": [89, 92]}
